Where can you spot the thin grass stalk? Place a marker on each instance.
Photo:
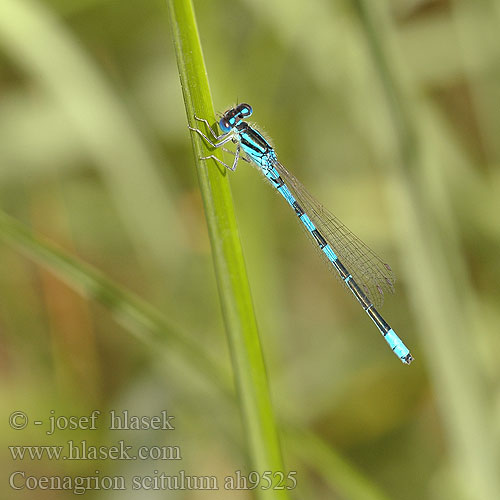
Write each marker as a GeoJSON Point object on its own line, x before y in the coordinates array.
{"type": "Point", "coordinates": [133, 313]}
{"type": "Point", "coordinates": [438, 302]}
{"type": "Point", "coordinates": [234, 292]}
{"type": "Point", "coordinates": [40, 44]}
{"type": "Point", "coordinates": [333, 469]}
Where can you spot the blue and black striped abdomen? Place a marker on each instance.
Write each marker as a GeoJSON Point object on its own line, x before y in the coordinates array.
{"type": "Point", "coordinates": [320, 240]}
{"type": "Point", "coordinates": [373, 276]}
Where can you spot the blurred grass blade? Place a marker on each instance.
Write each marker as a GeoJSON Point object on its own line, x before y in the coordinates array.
{"type": "Point", "coordinates": [334, 470]}
{"type": "Point", "coordinates": [149, 325]}
{"type": "Point", "coordinates": [42, 46]}
{"type": "Point", "coordinates": [237, 308]}
{"type": "Point", "coordinates": [130, 311]}
{"type": "Point", "coordinates": [432, 268]}
{"type": "Point", "coordinates": [477, 31]}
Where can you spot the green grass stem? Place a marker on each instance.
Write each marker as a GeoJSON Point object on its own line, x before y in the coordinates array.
{"type": "Point", "coordinates": [241, 326]}
{"type": "Point", "coordinates": [133, 313]}
{"type": "Point", "coordinates": [432, 267]}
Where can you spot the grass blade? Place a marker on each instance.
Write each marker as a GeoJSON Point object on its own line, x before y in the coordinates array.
{"type": "Point", "coordinates": [237, 308]}
{"type": "Point", "coordinates": [444, 320]}
{"type": "Point", "coordinates": [129, 310]}
{"type": "Point", "coordinates": [331, 467]}
{"type": "Point", "coordinates": [71, 79]}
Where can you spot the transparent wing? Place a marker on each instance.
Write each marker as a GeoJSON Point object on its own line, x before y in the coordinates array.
{"type": "Point", "coordinates": [373, 275]}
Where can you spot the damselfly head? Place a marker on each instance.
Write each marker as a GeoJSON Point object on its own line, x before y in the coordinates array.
{"type": "Point", "coordinates": [233, 116]}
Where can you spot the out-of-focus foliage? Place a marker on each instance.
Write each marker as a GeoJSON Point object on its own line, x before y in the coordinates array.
{"type": "Point", "coordinates": [389, 115]}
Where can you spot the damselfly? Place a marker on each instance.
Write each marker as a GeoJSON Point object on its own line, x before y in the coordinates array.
{"type": "Point", "coordinates": [359, 268]}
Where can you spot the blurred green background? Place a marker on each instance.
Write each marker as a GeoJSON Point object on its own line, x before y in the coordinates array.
{"type": "Point", "coordinates": [389, 112]}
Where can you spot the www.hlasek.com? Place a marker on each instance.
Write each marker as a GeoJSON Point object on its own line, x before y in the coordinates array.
{"type": "Point", "coordinates": [82, 450]}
